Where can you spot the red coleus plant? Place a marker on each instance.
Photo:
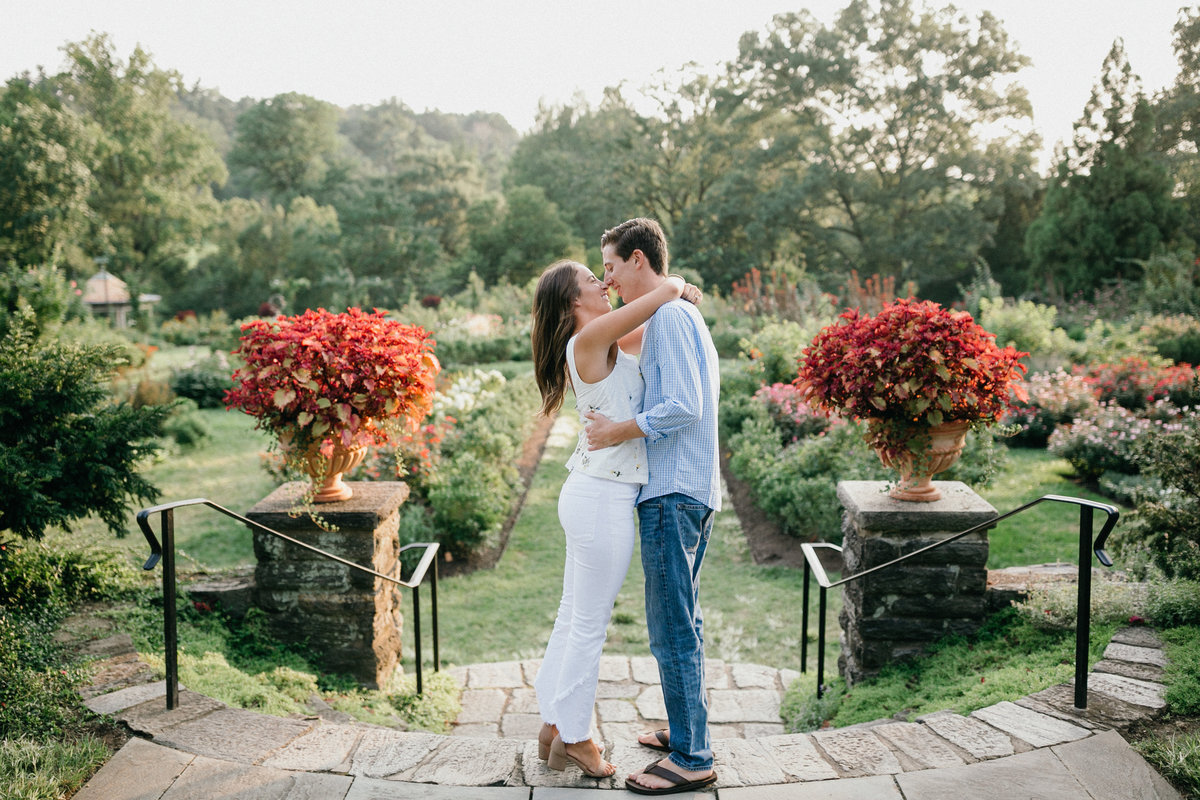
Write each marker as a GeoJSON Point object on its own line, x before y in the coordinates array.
{"type": "Point", "coordinates": [356, 376]}
{"type": "Point", "coordinates": [913, 365]}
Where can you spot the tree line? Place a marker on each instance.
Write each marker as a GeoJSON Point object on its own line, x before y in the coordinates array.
{"type": "Point", "coordinates": [892, 141]}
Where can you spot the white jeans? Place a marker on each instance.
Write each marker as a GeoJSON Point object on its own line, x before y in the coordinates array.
{"type": "Point", "coordinates": [597, 517]}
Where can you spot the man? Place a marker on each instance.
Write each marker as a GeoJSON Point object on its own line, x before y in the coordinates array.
{"type": "Point", "coordinates": [676, 507]}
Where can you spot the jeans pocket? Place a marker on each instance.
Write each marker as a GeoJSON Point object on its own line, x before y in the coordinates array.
{"type": "Point", "coordinates": [691, 518]}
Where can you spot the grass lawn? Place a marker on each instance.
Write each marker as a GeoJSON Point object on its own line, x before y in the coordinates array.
{"type": "Point", "coordinates": [1047, 532]}
{"type": "Point", "coordinates": [224, 469]}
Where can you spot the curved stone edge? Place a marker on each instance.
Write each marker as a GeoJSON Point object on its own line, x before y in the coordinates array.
{"type": "Point", "coordinates": [210, 729]}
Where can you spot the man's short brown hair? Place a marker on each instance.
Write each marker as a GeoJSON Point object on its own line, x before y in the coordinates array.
{"type": "Point", "coordinates": [642, 234]}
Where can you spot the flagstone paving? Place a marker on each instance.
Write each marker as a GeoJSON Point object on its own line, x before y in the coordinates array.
{"type": "Point", "coordinates": [1038, 746]}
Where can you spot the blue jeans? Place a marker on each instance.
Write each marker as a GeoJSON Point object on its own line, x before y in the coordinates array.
{"type": "Point", "coordinates": [675, 531]}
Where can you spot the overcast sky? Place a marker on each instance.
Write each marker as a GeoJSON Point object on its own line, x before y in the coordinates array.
{"type": "Point", "coordinates": [507, 55]}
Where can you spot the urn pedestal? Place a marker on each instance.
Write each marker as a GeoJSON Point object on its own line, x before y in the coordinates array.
{"type": "Point", "coordinates": [899, 611]}
{"type": "Point", "coordinates": [350, 620]}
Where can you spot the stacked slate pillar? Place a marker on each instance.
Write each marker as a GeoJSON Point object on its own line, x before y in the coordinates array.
{"type": "Point", "coordinates": [899, 611]}
{"type": "Point", "coordinates": [350, 620]}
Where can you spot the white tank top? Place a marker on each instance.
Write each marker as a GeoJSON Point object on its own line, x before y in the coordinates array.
{"type": "Point", "coordinates": [618, 397]}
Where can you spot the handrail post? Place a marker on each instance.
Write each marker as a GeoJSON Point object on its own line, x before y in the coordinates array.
{"type": "Point", "coordinates": [821, 646]}
{"type": "Point", "coordinates": [1083, 609]}
{"type": "Point", "coordinates": [804, 624]}
{"type": "Point", "coordinates": [170, 627]}
{"type": "Point", "coordinates": [416, 592]}
{"type": "Point", "coordinates": [437, 658]}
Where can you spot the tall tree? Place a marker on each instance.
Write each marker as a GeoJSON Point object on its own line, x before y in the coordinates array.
{"type": "Point", "coordinates": [573, 156]}
{"type": "Point", "coordinates": [260, 253]}
{"type": "Point", "coordinates": [154, 175]}
{"type": "Point", "coordinates": [47, 154]}
{"type": "Point", "coordinates": [1110, 204]}
{"type": "Point", "coordinates": [287, 146]}
{"type": "Point", "coordinates": [674, 155]}
{"type": "Point", "coordinates": [1177, 111]}
{"type": "Point", "coordinates": [896, 104]}
{"type": "Point", "coordinates": [516, 241]}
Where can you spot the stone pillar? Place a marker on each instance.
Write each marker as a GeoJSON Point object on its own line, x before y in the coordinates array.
{"type": "Point", "coordinates": [350, 619]}
{"type": "Point", "coordinates": [898, 611]}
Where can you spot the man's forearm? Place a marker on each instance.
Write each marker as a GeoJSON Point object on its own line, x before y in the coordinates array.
{"type": "Point", "coordinates": [603, 432]}
{"type": "Point", "coordinates": [626, 430]}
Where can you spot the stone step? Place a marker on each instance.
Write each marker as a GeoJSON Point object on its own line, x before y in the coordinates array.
{"type": "Point", "coordinates": [936, 743]}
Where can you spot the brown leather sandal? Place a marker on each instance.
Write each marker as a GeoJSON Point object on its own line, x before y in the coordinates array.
{"type": "Point", "coordinates": [678, 782]}
{"type": "Point", "coordinates": [664, 743]}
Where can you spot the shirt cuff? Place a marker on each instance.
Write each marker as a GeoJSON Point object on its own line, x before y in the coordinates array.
{"type": "Point", "coordinates": [643, 423]}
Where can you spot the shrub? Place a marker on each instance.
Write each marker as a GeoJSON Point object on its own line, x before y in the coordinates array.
{"type": "Point", "coordinates": [1055, 398]}
{"type": "Point", "coordinates": [470, 498]}
{"type": "Point", "coordinates": [461, 465]}
{"type": "Point", "coordinates": [40, 297]}
{"type": "Point", "coordinates": [1129, 382]}
{"type": "Point", "coordinates": [151, 392]}
{"type": "Point", "coordinates": [513, 346]}
{"type": "Point", "coordinates": [37, 696]}
{"type": "Point", "coordinates": [782, 297]}
{"type": "Point", "coordinates": [1175, 337]}
{"type": "Point", "coordinates": [728, 333]}
{"type": "Point", "coordinates": [1173, 603]}
{"type": "Point", "coordinates": [1171, 283]}
{"type": "Point", "coordinates": [36, 579]}
{"type": "Point", "coordinates": [206, 381]}
{"type": "Point", "coordinates": [1029, 327]}
{"type": "Point", "coordinates": [1104, 441]}
{"type": "Point", "coordinates": [1126, 488]}
{"type": "Point", "coordinates": [1168, 524]}
{"type": "Point", "coordinates": [185, 425]}
{"type": "Point", "coordinates": [1056, 607]}
{"type": "Point", "coordinates": [1109, 342]}
{"type": "Point", "coordinates": [794, 418]}
{"type": "Point", "coordinates": [1179, 385]}
{"type": "Point", "coordinates": [482, 339]}
{"type": "Point", "coordinates": [796, 484]}
{"type": "Point", "coordinates": [66, 452]}
{"type": "Point", "coordinates": [774, 350]}
{"type": "Point", "coordinates": [215, 330]}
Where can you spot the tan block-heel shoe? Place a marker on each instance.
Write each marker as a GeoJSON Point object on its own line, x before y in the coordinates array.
{"type": "Point", "coordinates": [546, 738]}
{"type": "Point", "coordinates": [559, 757]}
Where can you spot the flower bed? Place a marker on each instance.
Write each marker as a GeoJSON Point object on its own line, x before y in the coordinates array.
{"type": "Point", "coordinates": [460, 465]}
{"type": "Point", "coordinates": [1055, 398]}
{"type": "Point", "coordinates": [1104, 440]}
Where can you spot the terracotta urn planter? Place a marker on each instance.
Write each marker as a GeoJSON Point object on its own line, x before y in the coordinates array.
{"type": "Point", "coordinates": [917, 469]}
{"type": "Point", "coordinates": [326, 472]}
{"type": "Point", "coordinates": [324, 468]}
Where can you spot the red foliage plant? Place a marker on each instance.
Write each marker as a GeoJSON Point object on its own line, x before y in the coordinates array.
{"type": "Point", "coordinates": [913, 365]}
{"type": "Point", "coordinates": [358, 376]}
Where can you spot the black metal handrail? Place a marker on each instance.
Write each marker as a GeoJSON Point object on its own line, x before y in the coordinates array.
{"type": "Point", "coordinates": [165, 551]}
{"type": "Point", "coordinates": [1083, 611]}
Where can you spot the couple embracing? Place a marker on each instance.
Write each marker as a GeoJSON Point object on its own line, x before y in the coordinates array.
{"type": "Point", "coordinates": [650, 443]}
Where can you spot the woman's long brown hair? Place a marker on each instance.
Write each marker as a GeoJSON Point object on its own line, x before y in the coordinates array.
{"type": "Point", "coordinates": [553, 325]}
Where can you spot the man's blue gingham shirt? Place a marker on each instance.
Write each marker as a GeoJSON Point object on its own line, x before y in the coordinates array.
{"type": "Point", "coordinates": [683, 385]}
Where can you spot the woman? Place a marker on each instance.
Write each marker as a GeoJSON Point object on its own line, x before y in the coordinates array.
{"type": "Point", "coordinates": [575, 334]}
